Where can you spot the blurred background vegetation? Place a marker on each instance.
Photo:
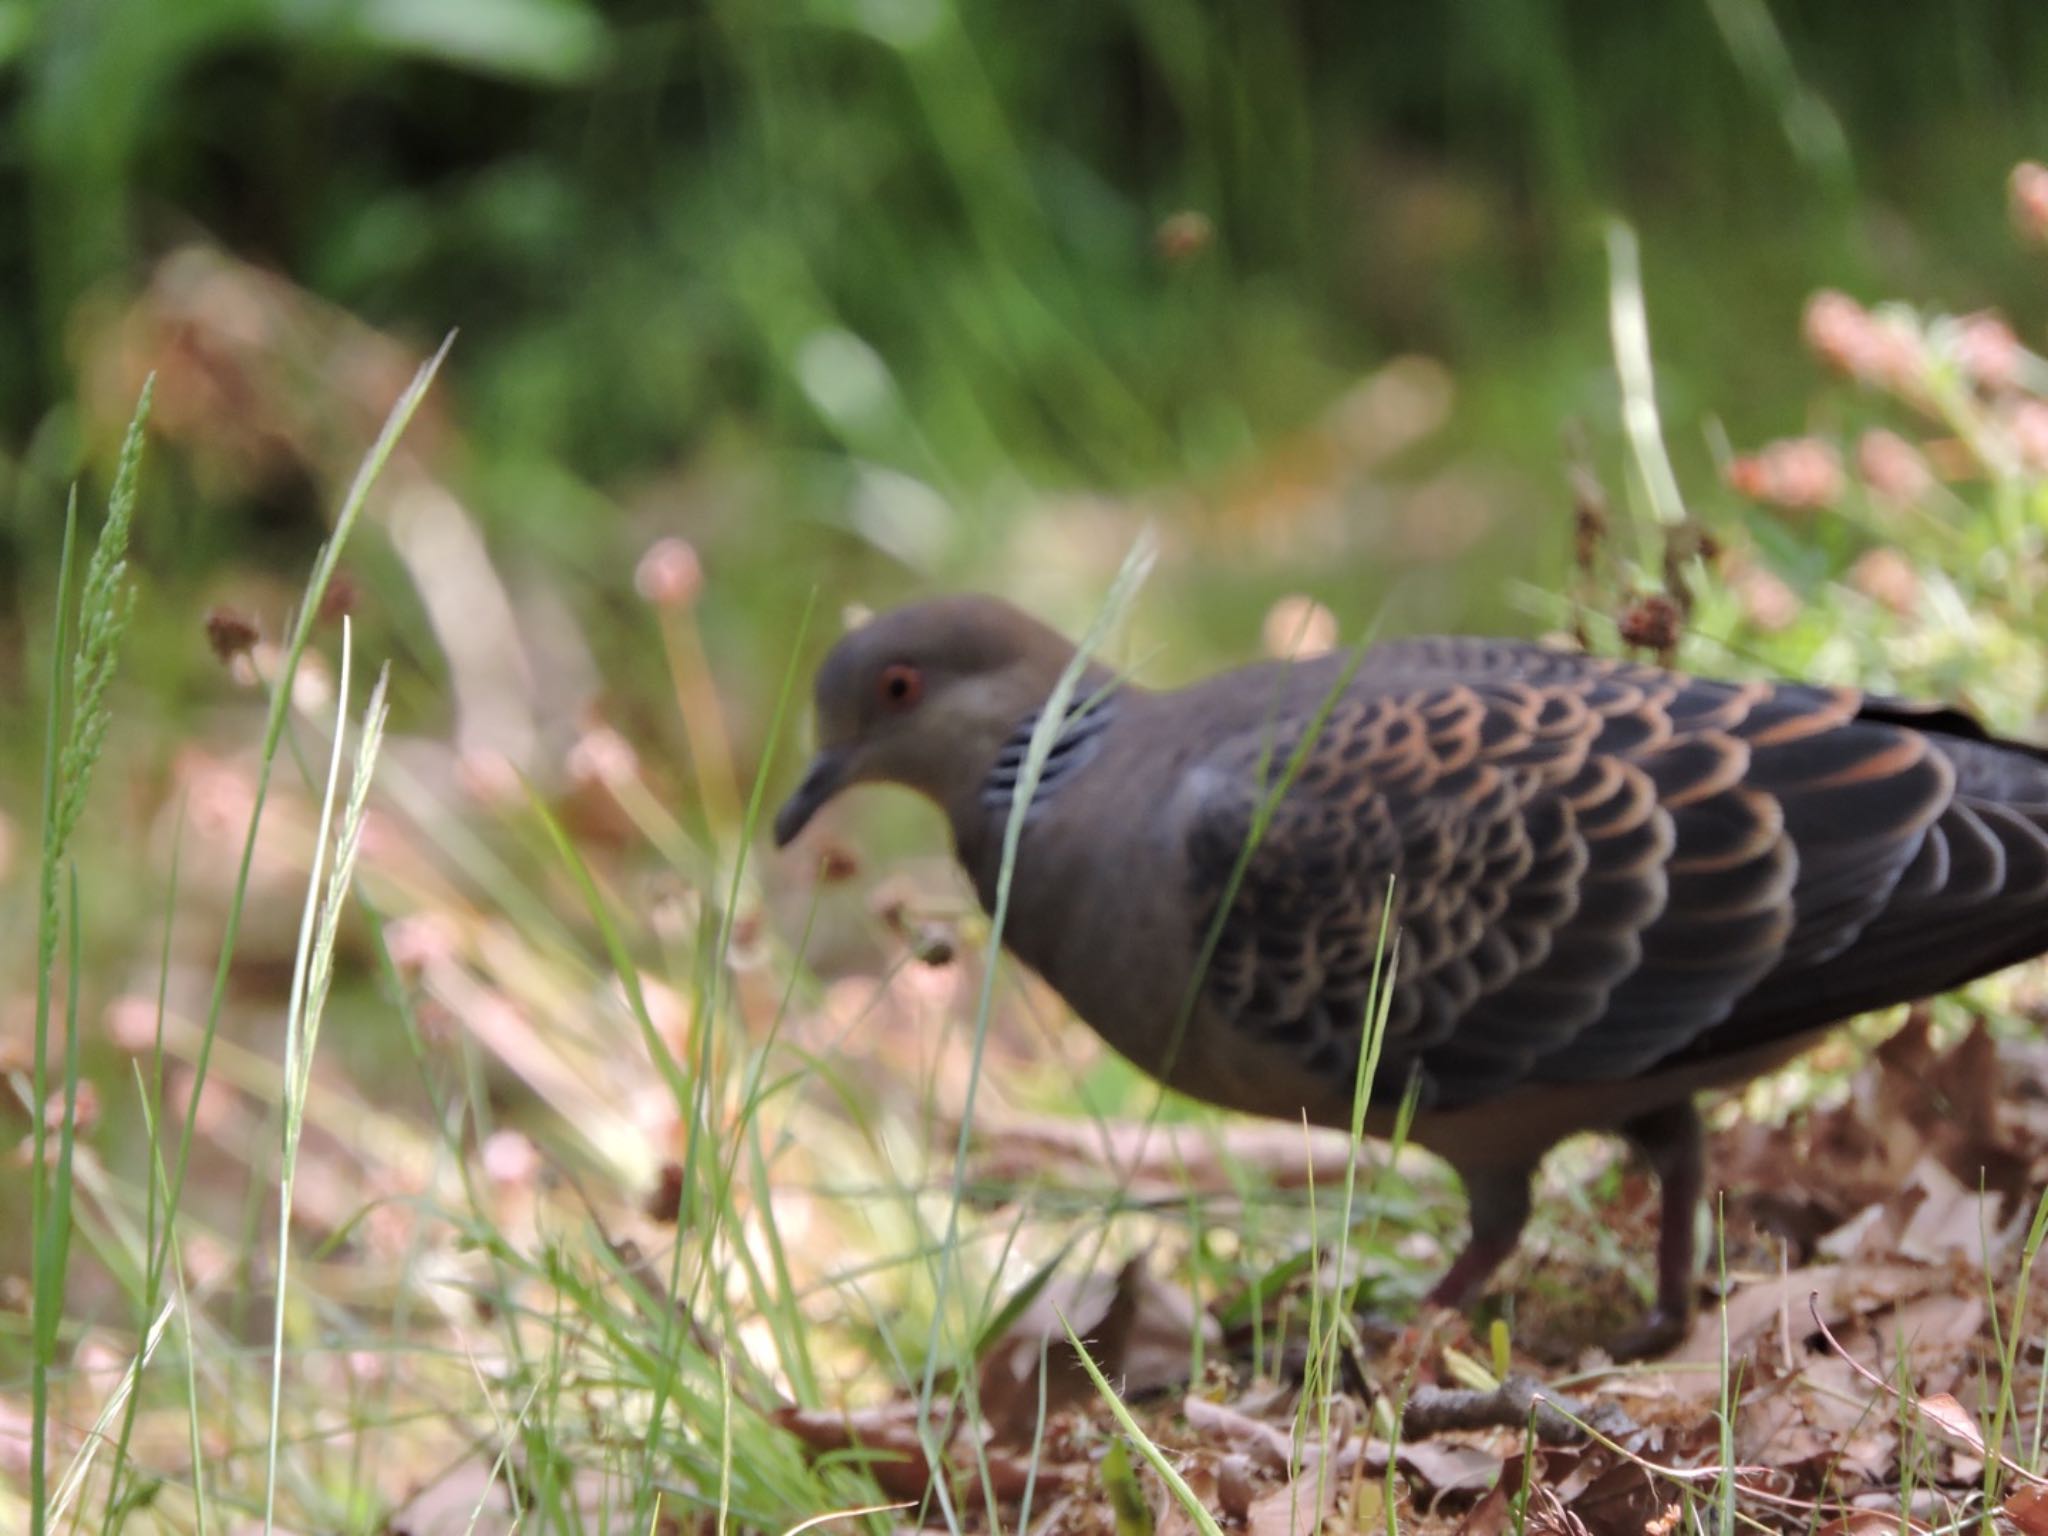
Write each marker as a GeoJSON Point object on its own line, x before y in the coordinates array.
{"type": "Point", "coordinates": [843, 290]}
{"type": "Point", "coordinates": [870, 298]}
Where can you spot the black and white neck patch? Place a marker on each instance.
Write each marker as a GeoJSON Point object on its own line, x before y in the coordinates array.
{"type": "Point", "coordinates": [1080, 735]}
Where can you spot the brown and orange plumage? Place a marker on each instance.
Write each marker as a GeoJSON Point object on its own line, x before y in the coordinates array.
{"type": "Point", "coordinates": [1612, 885]}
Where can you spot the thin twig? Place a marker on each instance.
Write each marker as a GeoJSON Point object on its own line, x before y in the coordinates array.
{"type": "Point", "coordinates": [1934, 1421]}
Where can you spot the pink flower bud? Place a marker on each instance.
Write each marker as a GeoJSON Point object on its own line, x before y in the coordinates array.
{"type": "Point", "coordinates": [1767, 600]}
{"type": "Point", "coordinates": [1892, 468]}
{"type": "Point", "coordinates": [1894, 359]}
{"type": "Point", "coordinates": [510, 1159]}
{"type": "Point", "coordinates": [669, 574]}
{"type": "Point", "coordinates": [601, 756]}
{"type": "Point", "coordinates": [1798, 473]}
{"type": "Point", "coordinates": [130, 1023]}
{"type": "Point", "coordinates": [2029, 428]}
{"type": "Point", "coordinates": [1988, 353]}
{"type": "Point", "coordinates": [1882, 350]}
{"type": "Point", "coordinates": [1885, 576]}
{"type": "Point", "coordinates": [2028, 190]}
{"type": "Point", "coordinates": [1837, 328]}
{"type": "Point", "coordinates": [422, 941]}
{"type": "Point", "coordinates": [1184, 235]}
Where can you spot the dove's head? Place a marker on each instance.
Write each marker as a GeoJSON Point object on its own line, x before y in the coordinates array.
{"type": "Point", "coordinates": [924, 696]}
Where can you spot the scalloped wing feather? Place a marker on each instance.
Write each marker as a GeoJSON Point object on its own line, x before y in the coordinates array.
{"type": "Point", "coordinates": [1599, 867]}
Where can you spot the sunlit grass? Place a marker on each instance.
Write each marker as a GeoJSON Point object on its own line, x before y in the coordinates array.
{"type": "Point", "coordinates": [643, 1181]}
{"type": "Point", "coordinates": [82, 661]}
{"type": "Point", "coordinates": [521, 1338]}
{"type": "Point", "coordinates": [312, 980]}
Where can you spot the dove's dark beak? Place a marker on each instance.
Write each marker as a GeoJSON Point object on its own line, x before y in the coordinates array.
{"type": "Point", "coordinates": [824, 779]}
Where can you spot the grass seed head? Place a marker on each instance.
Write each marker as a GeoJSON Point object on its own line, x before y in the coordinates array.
{"type": "Point", "coordinates": [231, 633]}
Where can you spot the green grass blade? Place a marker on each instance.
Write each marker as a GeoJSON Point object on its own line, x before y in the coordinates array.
{"type": "Point", "coordinates": [312, 976]}
{"type": "Point", "coordinates": [273, 735]}
{"type": "Point", "coordinates": [1051, 721]}
{"type": "Point", "coordinates": [1183, 1495]}
{"type": "Point", "coordinates": [76, 728]}
{"type": "Point", "coordinates": [1629, 325]}
{"type": "Point", "coordinates": [116, 1403]}
{"type": "Point", "coordinates": [295, 1045]}
{"type": "Point", "coordinates": [151, 1094]}
{"type": "Point", "coordinates": [46, 1301]}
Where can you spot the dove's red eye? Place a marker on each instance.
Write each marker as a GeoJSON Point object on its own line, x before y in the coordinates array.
{"type": "Point", "coordinates": [900, 686]}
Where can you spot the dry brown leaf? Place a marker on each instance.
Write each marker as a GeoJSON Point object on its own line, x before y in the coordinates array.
{"type": "Point", "coordinates": [1201, 1474]}
{"type": "Point", "coordinates": [1872, 1455]}
{"type": "Point", "coordinates": [474, 1499]}
{"type": "Point", "coordinates": [1138, 1330]}
{"type": "Point", "coordinates": [891, 1427]}
{"type": "Point", "coordinates": [1443, 1466]}
{"type": "Point", "coordinates": [1937, 1328]}
{"type": "Point", "coordinates": [1449, 1466]}
{"type": "Point", "coordinates": [1440, 1466]}
{"type": "Point", "coordinates": [1867, 1233]}
{"type": "Point", "coordinates": [1911, 1101]}
{"type": "Point", "coordinates": [1570, 1470]}
{"type": "Point", "coordinates": [1490, 1516]}
{"type": "Point", "coordinates": [1947, 1219]}
{"type": "Point", "coordinates": [1154, 1158]}
{"type": "Point", "coordinates": [1266, 1446]}
{"type": "Point", "coordinates": [1943, 1413]}
{"type": "Point", "coordinates": [1953, 1100]}
{"type": "Point", "coordinates": [1294, 1507]}
{"type": "Point", "coordinates": [1817, 1419]}
{"type": "Point", "coordinates": [1837, 1399]}
{"type": "Point", "coordinates": [1236, 1484]}
{"type": "Point", "coordinates": [1778, 1429]}
{"type": "Point", "coordinates": [1165, 1321]}
{"type": "Point", "coordinates": [1940, 1412]}
{"type": "Point", "coordinates": [902, 1470]}
{"type": "Point", "coordinates": [1862, 1522]}
{"type": "Point", "coordinates": [1620, 1501]}
{"type": "Point", "coordinates": [1760, 1311]}
{"type": "Point", "coordinates": [2028, 1509]}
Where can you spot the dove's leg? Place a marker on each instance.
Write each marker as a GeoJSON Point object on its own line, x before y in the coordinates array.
{"type": "Point", "coordinates": [1674, 1143]}
{"type": "Point", "coordinates": [1499, 1201]}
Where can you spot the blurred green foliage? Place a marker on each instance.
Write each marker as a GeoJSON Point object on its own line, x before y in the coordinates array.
{"type": "Point", "coordinates": [724, 262]}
